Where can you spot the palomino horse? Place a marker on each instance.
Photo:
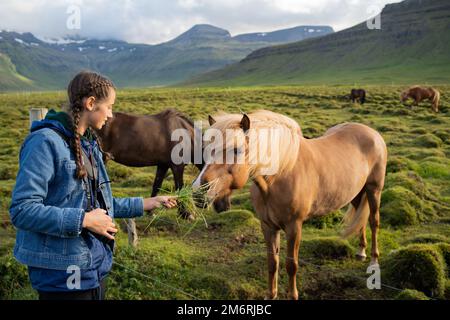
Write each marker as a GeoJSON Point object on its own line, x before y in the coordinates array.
{"type": "Point", "coordinates": [358, 94]}
{"type": "Point", "coordinates": [346, 165]}
{"type": "Point", "coordinates": [418, 94]}
{"type": "Point", "coordinates": [141, 141]}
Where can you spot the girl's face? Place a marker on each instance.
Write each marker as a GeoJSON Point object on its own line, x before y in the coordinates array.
{"type": "Point", "coordinates": [100, 110]}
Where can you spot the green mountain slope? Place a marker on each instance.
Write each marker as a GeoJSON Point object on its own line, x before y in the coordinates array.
{"type": "Point", "coordinates": [413, 45]}
{"type": "Point", "coordinates": [9, 78]}
{"type": "Point", "coordinates": [201, 49]}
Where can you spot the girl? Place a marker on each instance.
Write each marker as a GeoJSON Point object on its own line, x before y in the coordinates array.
{"type": "Point", "coordinates": [62, 205]}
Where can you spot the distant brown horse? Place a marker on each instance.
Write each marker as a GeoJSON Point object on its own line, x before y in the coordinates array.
{"type": "Point", "coordinates": [418, 94]}
{"type": "Point", "coordinates": [141, 141]}
{"type": "Point", "coordinates": [358, 94]}
{"type": "Point", "coordinates": [346, 165]}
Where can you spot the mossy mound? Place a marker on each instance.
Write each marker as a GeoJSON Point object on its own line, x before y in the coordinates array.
{"type": "Point", "coordinates": [428, 238]}
{"type": "Point", "coordinates": [444, 247]}
{"type": "Point", "coordinates": [443, 135]}
{"type": "Point", "coordinates": [328, 248]}
{"type": "Point", "coordinates": [409, 180]}
{"type": "Point", "coordinates": [419, 266]}
{"type": "Point", "coordinates": [398, 214]}
{"type": "Point", "coordinates": [234, 220]}
{"type": "Point", "coordinates": [397, 164]}
{"type": "Point", "coordinates": [435, 168]}
{"type": "Point", "coordinates": [428, 140]}
{"type": "Point", "coordinates": [402, 207]}
{"type": "Point", "coordinates": [327, 221]}
{"type": "Point", "coordinates": [409, 294]}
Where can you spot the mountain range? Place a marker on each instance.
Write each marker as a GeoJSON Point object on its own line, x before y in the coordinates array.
{"type": "Point", "coordinates": [28, 62]}
{"type": "Point", "coordinates": [412, 47]}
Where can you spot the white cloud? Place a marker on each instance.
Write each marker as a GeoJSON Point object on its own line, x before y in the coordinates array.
{"type": "Point", "coordinates": [157, 21]}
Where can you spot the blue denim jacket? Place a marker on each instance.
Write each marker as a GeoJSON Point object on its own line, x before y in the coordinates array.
{"type": "Point", "coordinates": [48, 202]}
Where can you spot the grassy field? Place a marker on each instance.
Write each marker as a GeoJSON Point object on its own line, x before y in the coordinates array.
{"type": "Point", "coordinates": [176, 259]}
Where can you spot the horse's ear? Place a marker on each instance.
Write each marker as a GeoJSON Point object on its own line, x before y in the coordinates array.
{"type": "Point", "coordinates": [245, 122]}
{"type": "Point", "coordinates": [211, 120]}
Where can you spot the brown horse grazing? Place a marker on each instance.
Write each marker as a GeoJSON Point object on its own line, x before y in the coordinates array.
{"type": "Point", "coordinates": [141, 141]}
{"type": "Point", "coordinates": [418, 94]}
{"type": "Point", "coordinates": [358, 94]}
{"type": "Point", "coordinates": [346, 165]}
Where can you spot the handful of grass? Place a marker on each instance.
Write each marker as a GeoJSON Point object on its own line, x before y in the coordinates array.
{"type": "Point", "coordinates": [186, 200]}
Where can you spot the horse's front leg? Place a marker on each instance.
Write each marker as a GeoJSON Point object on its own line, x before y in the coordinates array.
{"type": "Point", "coordinates": [161, 171]}
{"type": "Point", "coordinates": [272, 237]}
{"type": "Point", "coordinates": [293, 237]}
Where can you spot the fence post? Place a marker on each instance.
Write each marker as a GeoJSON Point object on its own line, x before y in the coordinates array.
{"type": "Point", "coordinates": [132, 233]}
{"type": "Point", "coordinates": [37, 114]}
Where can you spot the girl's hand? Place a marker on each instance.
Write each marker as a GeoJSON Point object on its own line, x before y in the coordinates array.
{"type": "Point", "coordinates": [99, 222]}
{"type": "Point", "coordinates": [156, 202]}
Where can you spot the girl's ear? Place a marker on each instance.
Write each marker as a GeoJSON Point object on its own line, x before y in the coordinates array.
{"type": "Point", "coordinates": [89, 103]}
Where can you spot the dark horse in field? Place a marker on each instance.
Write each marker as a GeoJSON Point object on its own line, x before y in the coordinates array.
{"type": "Point", "coordinates": [418, 94]}
{"type": "Point", "coordinates": [142, 141]}
{"type": "Point", "coordinates": [358, 94]}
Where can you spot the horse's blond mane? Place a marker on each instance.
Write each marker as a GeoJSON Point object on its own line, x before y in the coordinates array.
{"type": "Point", "coordinates": [289, 130]}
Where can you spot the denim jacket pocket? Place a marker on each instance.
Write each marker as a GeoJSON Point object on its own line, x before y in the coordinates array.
{"type": "Point", "coordinates": [55, 244]}
{"type": "Point", "coordinates": [69, 182]}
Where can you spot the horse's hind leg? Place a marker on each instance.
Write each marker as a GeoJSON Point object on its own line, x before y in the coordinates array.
{"type": "Point", "coordinates": [374, 198]}
{"type": "Point", "coordinates": [160, 175]}
{"type": "Point", "coordinates": [272, 238]}
{"type": "Point", "coordinates": [293, 235]}
{"type": "Point", "coordinates": [361, 254]}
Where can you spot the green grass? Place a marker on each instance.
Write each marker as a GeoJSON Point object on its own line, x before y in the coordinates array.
{"type": "Point", "coordinates": [227, 259]}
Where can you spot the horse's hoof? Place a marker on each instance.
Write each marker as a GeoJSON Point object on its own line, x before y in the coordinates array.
{"type": "Point", "coordinates": [373, 261]}
{"type": "Point", "coordinates": [270, 297]}
{"type": "Point", "coordinates": [360, 257]}
{"type": "Point", "coordinates": [293, 296]}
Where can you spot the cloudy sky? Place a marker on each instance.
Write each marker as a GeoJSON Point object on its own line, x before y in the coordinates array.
{"type": "Point", "coordinates": [156, 21]}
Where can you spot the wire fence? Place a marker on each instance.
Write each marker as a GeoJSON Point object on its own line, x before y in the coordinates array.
{"type": "Point", "coordinates": [191, 230]}
{"type": "Point", "coordinates": [301, 261]}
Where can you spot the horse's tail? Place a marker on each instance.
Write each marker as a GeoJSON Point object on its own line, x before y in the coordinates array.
{"type": "Point", "coordinates": [436, 98]}
{"type": "Point", "coordinates": [356, 218]}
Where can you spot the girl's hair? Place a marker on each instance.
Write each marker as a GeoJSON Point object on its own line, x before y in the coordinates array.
{"type": "Point", "coordinates": [85, 84]}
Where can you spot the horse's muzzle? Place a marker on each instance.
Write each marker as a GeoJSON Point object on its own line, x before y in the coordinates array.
{"type": "Point", "coordinates": [222, 204]}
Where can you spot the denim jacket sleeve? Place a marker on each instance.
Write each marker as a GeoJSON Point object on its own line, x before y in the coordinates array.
{"type": "Point", "coordinates": [128, 207]}
{"type": "Point", "coordinates": [28, 211]}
